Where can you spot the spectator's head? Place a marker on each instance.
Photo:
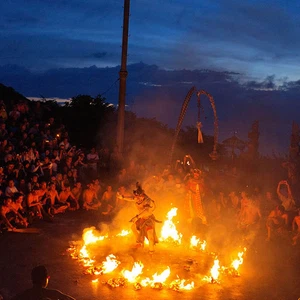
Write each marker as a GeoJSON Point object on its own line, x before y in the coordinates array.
{"type": "Point", "coordinates": [35, 178]}
{"type": "Point", "coordinates": [59, 176]}
{"type": "Point", "coordinates": [39, 276]}
{"type": "Point", "coordinates": [11, 183]}
{"type": "Point", "coordinates": [78, 185]}
{"type": "Point", "coordinates": [18, 198]}
{"type": "Point", "coordinates": [26, 164]}
{"type": "Point", "coordinates": [7, 201]}
{"type": "Point", "coordinates": [52, 186]}
{"type": "Point", "coordinates": [43, 185]}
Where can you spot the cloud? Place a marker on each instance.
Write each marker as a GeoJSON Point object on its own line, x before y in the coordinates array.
{"type": "Point", "coordinates": [251, 37]}
{"type": "Point", "coordinates": [99, 54]}
{"type": "Point", "coordinates": [271, 101]}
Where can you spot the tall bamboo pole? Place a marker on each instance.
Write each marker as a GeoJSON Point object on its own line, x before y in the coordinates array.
{"type": "Point", "coordinates": [123, 75]}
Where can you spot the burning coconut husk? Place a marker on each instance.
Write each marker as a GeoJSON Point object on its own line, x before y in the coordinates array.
{"type": "Point", "coordinates": [158, 280]}
{"type": "Point", "coordinates": [179, 285]}
{"type": "Point", "coordinates": [83, 252]}
{"type": "Point", "coordinates": [169, 231]}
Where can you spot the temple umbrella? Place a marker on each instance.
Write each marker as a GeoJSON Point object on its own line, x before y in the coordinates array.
{"type": "Point", "coordinates": [234, 143]}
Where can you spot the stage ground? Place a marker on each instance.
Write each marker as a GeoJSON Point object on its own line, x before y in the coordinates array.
{"type": "Point", "coordinates": [270, 270]}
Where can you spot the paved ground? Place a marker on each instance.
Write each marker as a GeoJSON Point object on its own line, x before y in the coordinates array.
{"type": "Point", "coordinates": [270, 270]}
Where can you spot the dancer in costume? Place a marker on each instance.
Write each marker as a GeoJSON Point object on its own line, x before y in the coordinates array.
{"type": "Point", "coordinates": [144, 222]}
{"type": "Point", "coordinates": [193, 201]}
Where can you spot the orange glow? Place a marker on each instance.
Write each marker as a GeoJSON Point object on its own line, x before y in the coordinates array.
{"type": "Point", "coordinates": [124, 233]}
{"type": "Point", "coordinates": [156, 278]}
{"type": "Point", "coordinates": [132, 275]}
{"type": "Point", "coordinates": [180, 284]}
{"type": "Point", "coordinates": [196, 243]}
{"type": "Point", "coordinates": [169, 230]}
{"type": "Point", "coordinates": [110, 264]}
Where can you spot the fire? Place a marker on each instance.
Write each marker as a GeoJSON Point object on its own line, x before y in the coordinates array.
{"type": "Point", "coordinates": [110, 264]}
{"type": "Point", "coordinates": [123, 233]}
{"type": "Point", "coordinates": [85, 257]}
{"type": "Point", "coordinates": [197, 243]}
{"type": "Point", "coordinates": [157, 278]}
{"type": "Point", "coordinates": [169, 230]}
{"type": "Point", "coordinates": [214, 272]}
{"type": "Point", "coordinates": [132, 275]}
{"type": "Point", "coordinates": [180, 284]}
{"type": "Point", "coordinates": [237, 262]}
{"type": "Point", "coordinates": [89, 237]}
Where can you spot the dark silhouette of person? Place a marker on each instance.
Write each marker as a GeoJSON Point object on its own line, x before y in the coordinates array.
{"type": "Point", "coordinates": [39, 291]}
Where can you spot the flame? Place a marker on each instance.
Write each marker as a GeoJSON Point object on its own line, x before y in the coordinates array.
{"type": "Point", "coordinates": [95, 280]}
{"type": "Point", "coordinates": [123, 233]}
{"type": "Point", "coordinates": [156, 278]}
{"type": "Point", "coordinates": [137, 269]}
{"type": "Point", "coordinates": [195, 243]}
{"type": "Point", "coordinates": [89, 237]}
{"type": "Point", "coordinates": [237, 262]}
{"type": "Point", "coordinates": [110, 264]}
{"type": "Point", "coordinates": [214, 271]}
{"type": "Point", "coordinates": [180, 284]}
{"type": "Point", "coordinates": [169, 230]}
{"type": "Point", "coordinates": [85, 257]}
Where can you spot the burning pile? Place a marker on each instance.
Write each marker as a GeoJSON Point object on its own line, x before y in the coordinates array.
{"type": "Point", "coordinates": [169, 231]}
{"type": "Point", "coordinates": [134, 276]}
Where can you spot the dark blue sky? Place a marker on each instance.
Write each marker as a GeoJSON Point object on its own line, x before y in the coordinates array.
{"type": "Point", "coordinates": [255, 37]}
{"type": "Point", "coordinates": [247, 52]}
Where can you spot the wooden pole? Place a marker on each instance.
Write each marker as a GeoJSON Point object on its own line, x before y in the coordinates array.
{"type": "Point", "coordinates": [123, 75]}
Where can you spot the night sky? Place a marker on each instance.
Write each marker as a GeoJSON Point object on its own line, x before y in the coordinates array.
{"type": "Point", "coordinates": [258, 38]}
{"type": "Point", "coordinates": [245, 53]}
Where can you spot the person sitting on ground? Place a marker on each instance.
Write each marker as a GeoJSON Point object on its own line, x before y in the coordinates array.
{"type": "Point", "coordinates": [107, 201]}
{"type": "Point", "coordinates": [18, 205]}
{"type": "Point", "coordinates": [40, 280]}
{"type": "Point", "coordinates": [34, 182]}
{"type": "Point", "coordinates": [77, 192]}
{"type": "Point", "coordinates": [55, 206]}
{"type": "Point", "coordinates": [277, 220]}
{"type": "Point", "coordinates": [11, 189]}
{"type": "Point", "coordinates": [66, 197]}
{"type": "Point", "coordinates": [33, 203]}
{"type": "Point", "coordinates": [296, 226]}
{"type": "Point", "coordinates": [90, 199]}
{"type": "Point", "coordinates": [10, 218]}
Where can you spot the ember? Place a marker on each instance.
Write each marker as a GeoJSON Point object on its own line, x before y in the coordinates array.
{"type": "Point", "coordinates": [178, 285]}
{"type": "Point", "coordinates": [116, 282]}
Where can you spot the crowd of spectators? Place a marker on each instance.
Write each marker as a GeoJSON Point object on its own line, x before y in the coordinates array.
{"type": "Point", "coordinates": [43, 174]}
